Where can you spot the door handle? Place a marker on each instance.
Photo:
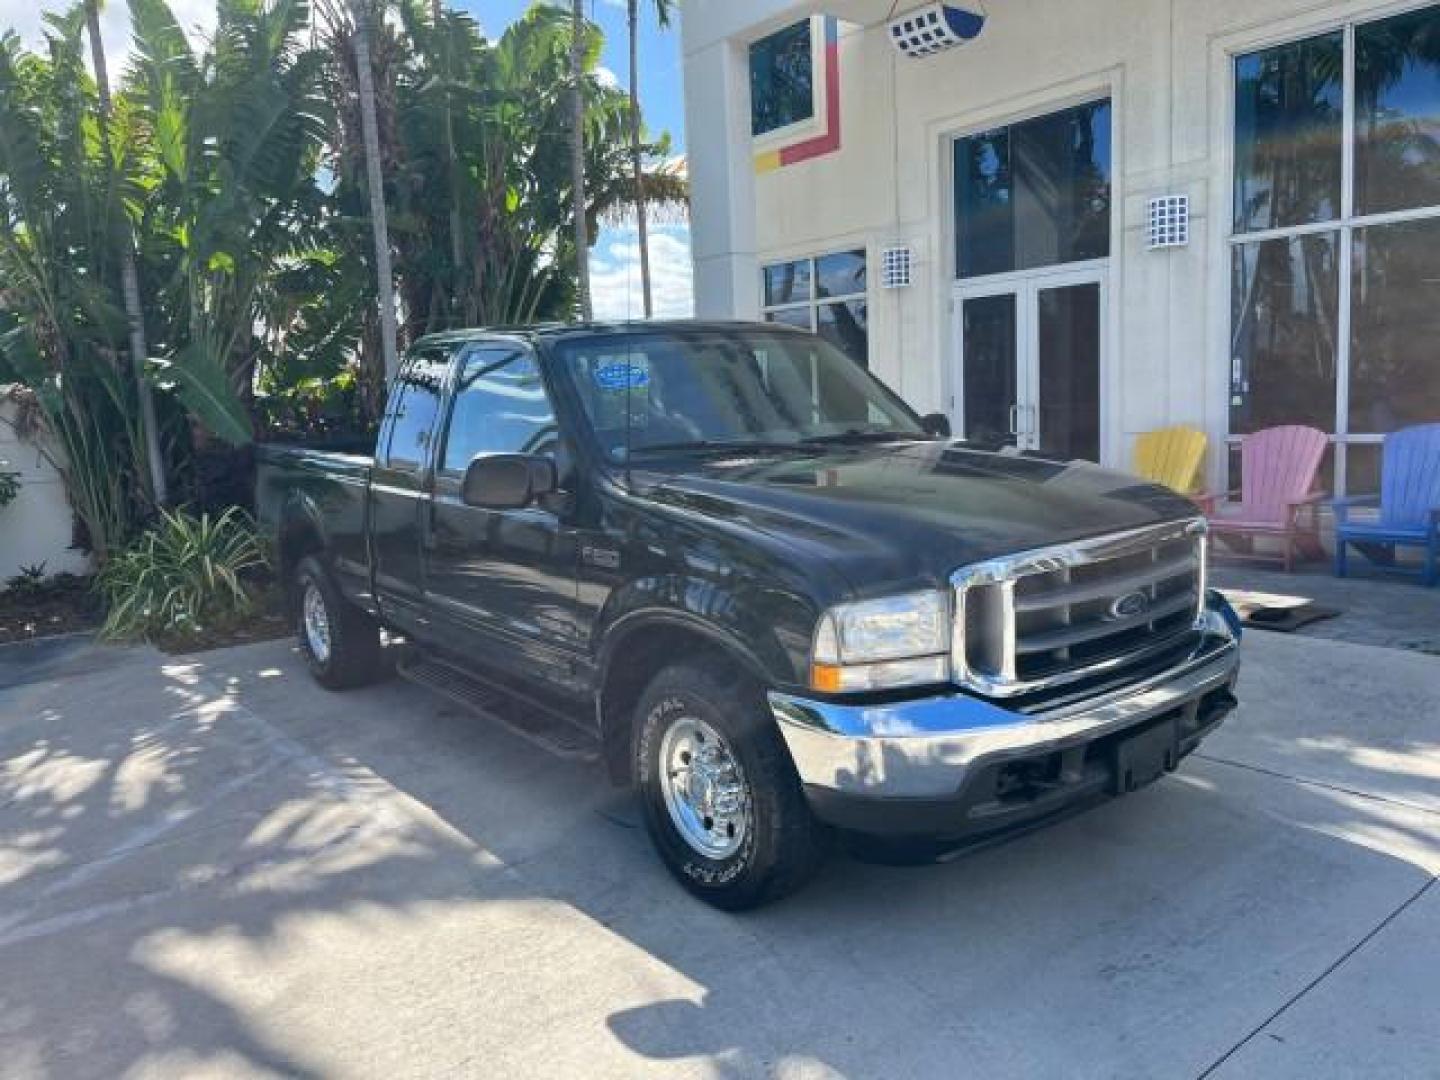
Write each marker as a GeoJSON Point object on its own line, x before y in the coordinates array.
{"type": "Point", "coordinates": [1014, 419]}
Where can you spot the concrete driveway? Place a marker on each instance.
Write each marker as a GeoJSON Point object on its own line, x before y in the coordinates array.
{"type": "Point", "coordinates": [210, 866]}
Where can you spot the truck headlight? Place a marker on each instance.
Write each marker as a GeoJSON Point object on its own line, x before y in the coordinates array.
{"type": "Point", "coordinates": [882, 644]}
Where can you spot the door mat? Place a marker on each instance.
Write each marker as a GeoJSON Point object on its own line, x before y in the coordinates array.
{"type": "Point", "coordinates": [1265, 611]}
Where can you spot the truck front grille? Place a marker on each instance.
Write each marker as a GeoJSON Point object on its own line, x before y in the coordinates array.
{"type": "Point", "coordinates": [1043, 618]}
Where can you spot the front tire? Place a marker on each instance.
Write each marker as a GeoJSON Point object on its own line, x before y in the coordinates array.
{"type": "Point", "coordinates": [721, 800]}
{"type": "Point", "coordinates": [340, 643]}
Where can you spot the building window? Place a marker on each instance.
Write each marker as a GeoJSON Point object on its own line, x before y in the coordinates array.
{"type": "Point", "coordinates": [1034, 194]}
{"type": "Point", "coordinates": [782, 79]}
{"type": "Point", "coordinates": [824, 294]}
{"type": "Point", "coordinates": [1336, 198]}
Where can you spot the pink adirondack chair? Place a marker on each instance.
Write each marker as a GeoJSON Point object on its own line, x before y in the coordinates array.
{"type": "Point", "coordinates": [1277, 494]}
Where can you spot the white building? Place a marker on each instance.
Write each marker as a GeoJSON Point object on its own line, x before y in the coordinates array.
{"type": "Point", "coordinates": [1020, 169]}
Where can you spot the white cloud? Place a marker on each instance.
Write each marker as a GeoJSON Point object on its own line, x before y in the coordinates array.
{"type": "Point", "coordinates": [25, 17]}
{"type": "Point", "coordinates": [615, 273]}
{"type": "Point", "coordinates": [606, 77]}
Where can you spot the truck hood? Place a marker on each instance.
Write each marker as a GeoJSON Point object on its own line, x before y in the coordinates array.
{"type": "Point", "coordinates": [896, 516]}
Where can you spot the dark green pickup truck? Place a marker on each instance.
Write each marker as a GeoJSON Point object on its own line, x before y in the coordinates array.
{"type": "Point", "coordinates": [728, 562]}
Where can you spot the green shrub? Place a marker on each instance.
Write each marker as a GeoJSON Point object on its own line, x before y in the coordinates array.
{"type": "Point", "coordinates": [182, 576]}
{"type": "Point", "coordinates": [9, 484]}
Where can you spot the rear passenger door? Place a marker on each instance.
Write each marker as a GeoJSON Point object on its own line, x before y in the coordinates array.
{"type": "Point", "coordinates": [400, 486]}
{"type": "Point", "coordinates": [503, 580]}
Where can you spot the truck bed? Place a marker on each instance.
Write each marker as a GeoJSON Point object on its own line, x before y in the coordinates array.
{"type": "Point", "coordinates": [322, 490]}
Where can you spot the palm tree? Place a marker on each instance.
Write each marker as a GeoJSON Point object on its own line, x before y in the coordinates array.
{"type": "Point", "coordinates": [457, 252]}
{"type": "Point", "coordinates": [577, 154]}
{"type": "Point", "coordinates": [375, 181]}
{"type": "Point", "coordinates": [632, 14]}
{"type": "Point", "coordinates": [129, 274]}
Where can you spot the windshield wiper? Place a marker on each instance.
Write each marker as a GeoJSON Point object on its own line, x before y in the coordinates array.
{"type": "Point", "coordinates": [864, 435]}
{"type": "Point", "coordinates": [734, 446]}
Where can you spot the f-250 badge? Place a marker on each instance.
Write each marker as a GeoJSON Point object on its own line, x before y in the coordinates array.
{"type": "Point", "coordinates": [605, 558]}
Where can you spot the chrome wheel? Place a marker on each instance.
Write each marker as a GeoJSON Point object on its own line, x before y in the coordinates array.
{"type": "Point", "coordinates": [704, 788]}
{"type": "Point", "coordinates": [317, 622]}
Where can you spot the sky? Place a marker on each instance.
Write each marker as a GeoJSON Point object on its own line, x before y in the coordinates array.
{"type": "Point", "coordinates": [615, 257]}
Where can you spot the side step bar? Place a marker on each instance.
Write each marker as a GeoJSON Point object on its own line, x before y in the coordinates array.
{"type": "Point", "coordinates": [528, 719]}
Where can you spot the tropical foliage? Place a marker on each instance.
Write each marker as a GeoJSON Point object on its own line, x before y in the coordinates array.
{"type": "Point", "coordinates": [182, 576]}
{"type": "Point", "coordinates": [231, 174]}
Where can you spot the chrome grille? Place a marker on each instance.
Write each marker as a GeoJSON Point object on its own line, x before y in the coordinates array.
{"type": "Point", "coordinates": [1059, 614]}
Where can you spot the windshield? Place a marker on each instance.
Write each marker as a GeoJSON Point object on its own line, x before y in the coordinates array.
{"type": "Point", "coordinates": [657, 393]}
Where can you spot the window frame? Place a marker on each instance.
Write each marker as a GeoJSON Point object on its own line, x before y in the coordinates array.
{"type": "Point", "coordinates": [815, 301]}
{"type": "Point", "coordinates": [442, 355]}
{"type": "Point", "coordinates": [458, 362]}
{"type": "Point", "coordinates": [1106, 95]}
{"type": "Point", "coordinates": [1345, 225]}
{"type": "Point", "coordinates": [812, 125]}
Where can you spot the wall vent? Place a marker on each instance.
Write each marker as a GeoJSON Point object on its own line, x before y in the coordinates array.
{"type": "Point", "coordinates": [896, 267]}
{"type": "Point", "coordinates": [934, 28]}
{"type": "Point", "coordinates": [1169, 222]}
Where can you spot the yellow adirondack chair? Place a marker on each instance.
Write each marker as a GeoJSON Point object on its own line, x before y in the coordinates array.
{"type": "Point", "coordinates": [1171, 456]}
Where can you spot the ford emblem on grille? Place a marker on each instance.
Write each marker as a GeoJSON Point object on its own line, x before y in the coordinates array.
{"type": "Point", "coordinates": [1129, 605]}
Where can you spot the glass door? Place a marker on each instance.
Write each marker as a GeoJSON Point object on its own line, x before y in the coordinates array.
{"type": "Point", "coordinates": [1062, 417]}
{"type": "Point", "coordinates": [990, 361]}
{"type": "Point", "coordinates": [1030, 353]}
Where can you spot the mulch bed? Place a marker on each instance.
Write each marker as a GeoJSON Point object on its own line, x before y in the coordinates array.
{"type": "Point", "coordinates": [63, 604]}
{"type": "Point", "coordinates": [266, 622]}
{"type": "Point", "coordinates": [67, 604]}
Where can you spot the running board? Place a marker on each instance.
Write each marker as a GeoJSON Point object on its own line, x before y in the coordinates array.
{"type": "Point", "coordinates": [528, 720]}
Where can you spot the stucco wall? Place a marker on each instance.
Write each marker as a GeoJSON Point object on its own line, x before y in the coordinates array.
{"type": "Point", "coordinates": [36, 527]}
{"type": "Point", "coordinates": [1166, 66]}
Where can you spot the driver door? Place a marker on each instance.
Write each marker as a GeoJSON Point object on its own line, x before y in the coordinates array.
{"type": "Point", "coordinates": [503, 580]}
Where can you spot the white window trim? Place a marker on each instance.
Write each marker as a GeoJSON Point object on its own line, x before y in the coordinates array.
{"type": "Point", "coordinates": [1344, 225]}
{"type": "Point", "coordinates": [816, 301]}
{"type": "Point", "coordinates": [814, 124]}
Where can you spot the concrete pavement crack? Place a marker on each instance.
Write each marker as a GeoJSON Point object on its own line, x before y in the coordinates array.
{"type": "Point", "coordinates": [1315, 783]}
{"type": "Point", "coordinates": [1304, 990]}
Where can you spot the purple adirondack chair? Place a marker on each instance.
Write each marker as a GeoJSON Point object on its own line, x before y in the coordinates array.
{"type": "Point", "coordinates": [1409, 503]}
{"type": "Point", "coordinates": [1277, 493]}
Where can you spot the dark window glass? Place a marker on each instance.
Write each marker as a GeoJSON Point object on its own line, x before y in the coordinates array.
{"type": "Point", "coordinates": [782, 79]}
{"type": "Point", "coordinates": [731, 386]}
{"type": "Point", "coordinates": [990, 368]}
{"type": "Point", "coordinates": [1288, 128]}
{"type": "Point", "coordinates": [1362, 470]}
{"type": "Point", "coordinates": [500, 407]}
{"type": "Point", "coordinates": [1069, 330]}
{"type": "Point", "coordinates": [796, 316]}
{"type": "Point", "coordinates": [1395, 326]}
{"type": "Point", "coordinates": [1397, 113]}
{"type": "Point", "coordinates": [787, 283]}
{"type": "Point", "coordinates": [416, 410]}
{"type": "Point", "coordinates": [1283, 333]}
{"type": "Point", "coordinates": [846, 324]}
{"type": "Point", "coordinates": [1034, 194]}
{"type": "Point", "coordinates": [841, 274]}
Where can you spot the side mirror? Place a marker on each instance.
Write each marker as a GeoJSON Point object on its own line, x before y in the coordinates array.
{"type": "Point", "coordinates": [507, 481]}
{"type": "Point", "coordinates": [937, 424]}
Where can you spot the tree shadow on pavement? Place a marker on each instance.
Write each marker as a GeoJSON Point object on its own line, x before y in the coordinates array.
{"type": "Point", "coordinates": [211, 864]}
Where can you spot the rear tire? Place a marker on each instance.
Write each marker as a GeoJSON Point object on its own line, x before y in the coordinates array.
{"type": "Point", "coordinates": [721, 799]}
{"type": "Point", "coordinates": [340, 643]}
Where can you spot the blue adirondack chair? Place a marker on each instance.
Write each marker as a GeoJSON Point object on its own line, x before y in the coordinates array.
{"type": "Point", "coordinates": [1409, 503]}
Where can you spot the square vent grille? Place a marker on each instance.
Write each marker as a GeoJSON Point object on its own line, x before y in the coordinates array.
{"type": "Point", "coordinates": [1169, 222]}
{"type": "Point", "coordinates": [896, 267]}
{"type": "Point", "coordinates": [934, 28]}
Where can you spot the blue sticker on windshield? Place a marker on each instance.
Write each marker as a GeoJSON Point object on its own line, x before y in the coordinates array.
{"type": "Point", "coordinates": [620, 375]}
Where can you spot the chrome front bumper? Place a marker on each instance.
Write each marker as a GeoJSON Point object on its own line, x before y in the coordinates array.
{"type": "Point", "coordinates": [926, 748]}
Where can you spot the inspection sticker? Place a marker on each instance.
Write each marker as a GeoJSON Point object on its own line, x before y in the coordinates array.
{"type": "Point", "coordinates": [621, 375]}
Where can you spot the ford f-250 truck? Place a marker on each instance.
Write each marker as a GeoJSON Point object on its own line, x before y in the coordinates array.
{"type": "Point", "coordinates": [727, 561]}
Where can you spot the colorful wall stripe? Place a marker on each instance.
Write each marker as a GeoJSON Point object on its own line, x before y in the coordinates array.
{"type": "Point", "coordinates": [829, 140]}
